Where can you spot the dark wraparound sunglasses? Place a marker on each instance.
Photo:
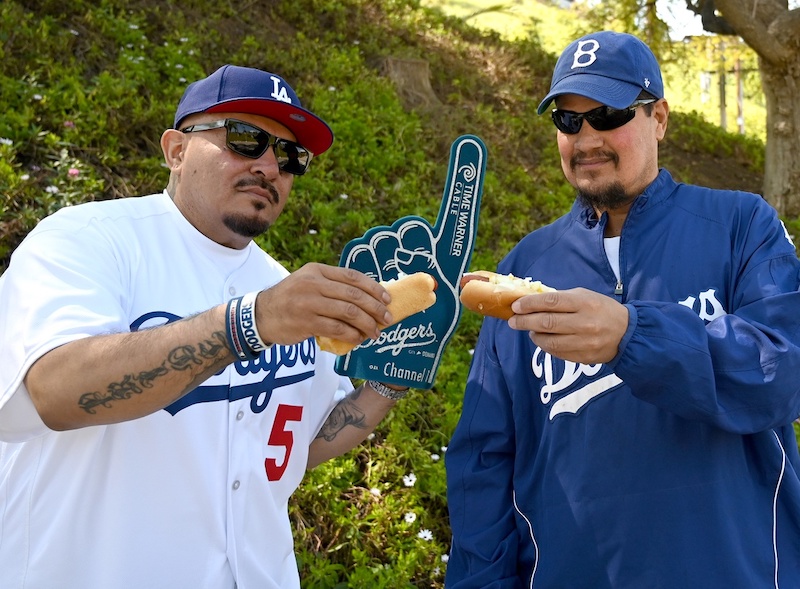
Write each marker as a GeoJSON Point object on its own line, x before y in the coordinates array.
{"type": "Point", "coordinates": [602, 118]}
{"type": "Point", "coordinates": [251, 141]}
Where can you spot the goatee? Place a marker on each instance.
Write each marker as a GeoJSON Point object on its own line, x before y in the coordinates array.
{"type": "Point", "coordinates": [246, 226]}
{"type": "Point", "coordinates": [609, 197]}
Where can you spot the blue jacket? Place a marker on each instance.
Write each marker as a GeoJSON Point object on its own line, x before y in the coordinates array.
{"type": "Point", "coordinates": [676, 464]}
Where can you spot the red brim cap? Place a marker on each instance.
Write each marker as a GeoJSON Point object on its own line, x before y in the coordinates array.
{"type": "Point", "coordinates": [235, 89]}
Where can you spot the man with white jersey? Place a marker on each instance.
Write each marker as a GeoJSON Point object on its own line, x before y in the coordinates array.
{"type": "Point", "coordinates": [633, 429]}
{"type": "Point", "coordinates": [161, 391]}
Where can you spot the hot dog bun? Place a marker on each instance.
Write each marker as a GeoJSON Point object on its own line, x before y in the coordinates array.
{"type": "Point", "coordinates": [411, 293]}
{"type": "Point", "coordinates": [489, 293]}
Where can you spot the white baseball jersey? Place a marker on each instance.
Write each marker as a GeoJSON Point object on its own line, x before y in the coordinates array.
{"type": "Point", "coordinates": [191, 496]}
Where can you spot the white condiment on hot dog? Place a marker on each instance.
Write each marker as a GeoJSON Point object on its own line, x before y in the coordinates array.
{"type": "Point", "coordinates": [492, 294]}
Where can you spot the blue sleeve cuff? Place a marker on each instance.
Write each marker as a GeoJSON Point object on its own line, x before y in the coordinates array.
{"type": "Point", "coordinates": [633, 318]}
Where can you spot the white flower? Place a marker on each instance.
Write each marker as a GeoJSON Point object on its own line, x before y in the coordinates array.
{"type": "Point", "coordinates": [437, 571]}
{"type": "Point", "coordinates": [445, 557]}
{"type": "Point", "coordinates": [178, 66]}
{"type": "Point", "coordinates": [51, 189]}
{"type": "Point", "coordinates": [37, 96]}
{"type": "Point", "coordinates": [371, 436]}
{"type": "Point", "coordinates": [444, 448]}
{"type": "Point", "coordinates": [426, 535]}
{"type": "Point", "coordinates": [25, 177]}
{"type": "Point", "coordinates": [133, 27]}
{"type": "Point", "coordinates": [375, 491]}
{"type": "Point", "coordinates": [410, 517]}
{"type": "Point", "coordinates": [184, 39]}
{"type": "Point", "coordinates": [6, 141]}
{"type": "Point", "coordinates": [435, 457]}
{"type": "Point", "coordinates": [472, 352]}
{"type": "Point", "coordinates": [343, 196]}
{"type": "Point", "coordinates": [409, 479]}
{"type": "Point", "coordinates": [312, 231]}
{"type": "Point", "coordinates": [331, 88]}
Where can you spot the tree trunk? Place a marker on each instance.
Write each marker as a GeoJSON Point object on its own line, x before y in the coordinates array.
{"type": "Point", "coordinates": [773, 31]}
{"type": "Point", "coordinates": [782, 163]}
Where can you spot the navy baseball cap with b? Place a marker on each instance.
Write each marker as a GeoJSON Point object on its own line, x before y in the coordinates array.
{"type": "Point", "coordinates": [611, 68]}
{"type": "Point", "coordinates": [235, 89]}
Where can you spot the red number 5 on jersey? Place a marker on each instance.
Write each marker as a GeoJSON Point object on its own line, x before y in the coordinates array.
{"type": "Point", "coordinates": [280, 436]}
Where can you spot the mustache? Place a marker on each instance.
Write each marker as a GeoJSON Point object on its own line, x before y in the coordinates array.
{"type": "Point", "coordinates": [579, 157]}
{"type": "Point", "coordinates": [263, 184]}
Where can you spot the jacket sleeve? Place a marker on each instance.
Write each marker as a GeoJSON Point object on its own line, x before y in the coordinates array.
{"type": "Point", "coordinates": [739, 371]}
{"type": "Point", "coordinates": [480, 466]}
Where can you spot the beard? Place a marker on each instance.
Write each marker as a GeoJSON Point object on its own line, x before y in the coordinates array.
{"type": "Point", "coordinates": [609, 197]}
{"type": "Point", "coordinates": [245, 225]}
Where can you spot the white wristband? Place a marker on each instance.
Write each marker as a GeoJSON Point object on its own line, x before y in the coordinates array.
{"type": "Point", "coordinates": [247, 323]}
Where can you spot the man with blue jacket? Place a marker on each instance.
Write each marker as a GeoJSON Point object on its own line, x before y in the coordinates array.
{"type": "Point", "coordinates": [633, 430]}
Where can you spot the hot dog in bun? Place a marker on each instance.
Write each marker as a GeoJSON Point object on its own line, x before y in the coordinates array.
{"type": "Point", "coordinates": [411, 293]}
{"type": "Point", "coordinates": [489, 293]}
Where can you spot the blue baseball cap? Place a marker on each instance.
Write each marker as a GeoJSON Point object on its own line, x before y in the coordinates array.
{"type": "Point", "coordinates": [611, 68]}
{"type": "Point", "coordinates": [247, 90]}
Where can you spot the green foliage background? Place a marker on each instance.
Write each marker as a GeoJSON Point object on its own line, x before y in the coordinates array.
{"type": "Point", "coordinates": [88, 87]}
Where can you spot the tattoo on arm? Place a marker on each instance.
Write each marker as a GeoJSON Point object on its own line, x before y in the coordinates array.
{"type": "Point", "coordinates": [180, 359]}
{"type": "Point", "coordinates": [345, 413]}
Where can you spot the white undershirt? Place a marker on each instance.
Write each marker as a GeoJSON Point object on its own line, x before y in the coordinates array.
{"type": "Point", "coordinates": [612, 253]}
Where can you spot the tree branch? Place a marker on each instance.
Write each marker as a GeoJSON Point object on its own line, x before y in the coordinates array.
{"type": "Point", "coordinates": [752, 22]}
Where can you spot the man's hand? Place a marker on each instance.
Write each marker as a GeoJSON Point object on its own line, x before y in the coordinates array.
{"type": "Point", "coordinates": [320, 300]}
{"type": "Point", "coordinates": [577, 325]}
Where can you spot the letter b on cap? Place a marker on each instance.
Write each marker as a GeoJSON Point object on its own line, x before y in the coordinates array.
{"type": "Point", "coordinates": [585, 57]}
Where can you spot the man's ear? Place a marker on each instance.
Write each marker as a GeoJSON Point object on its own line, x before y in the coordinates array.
{"type": "Point", "coordinates": [172, 144]}
{"type": "Point", "coordinates": [661, 114]}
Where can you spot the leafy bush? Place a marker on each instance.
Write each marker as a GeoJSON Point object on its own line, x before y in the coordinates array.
{"type": "Point", "coordinates": [696, 135]}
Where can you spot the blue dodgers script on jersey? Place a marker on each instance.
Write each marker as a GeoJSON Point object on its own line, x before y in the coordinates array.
{"type": "Point", "coordinates": [408, 353]}
{"type": "Point", "coordinates": [259, 391]}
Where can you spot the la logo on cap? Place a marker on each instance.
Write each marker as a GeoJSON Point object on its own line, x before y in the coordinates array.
{"type": "Point", "coordinates": [279, 91]}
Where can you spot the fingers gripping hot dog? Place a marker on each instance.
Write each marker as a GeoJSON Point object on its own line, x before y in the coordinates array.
{"type": "Point", "coordinates": [411, 293]}
{"type": "Point", "coordinates": [489, 293]}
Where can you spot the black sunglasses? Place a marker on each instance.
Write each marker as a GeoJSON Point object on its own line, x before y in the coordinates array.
{"type": "Point", "coordinates": [602, 118]}
{"type": "Point", "coordinates": [251, 141]}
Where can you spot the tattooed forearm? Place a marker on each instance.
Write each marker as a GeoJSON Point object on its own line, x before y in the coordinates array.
{"type": "Point", "coordinates": [118, 391]}
{"type": "Point", "coordinates": [185, 356]}
{"type": "Point", "coordinates": [345, 413]}
{"type": "Point", "coordinates": [205, 354]}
